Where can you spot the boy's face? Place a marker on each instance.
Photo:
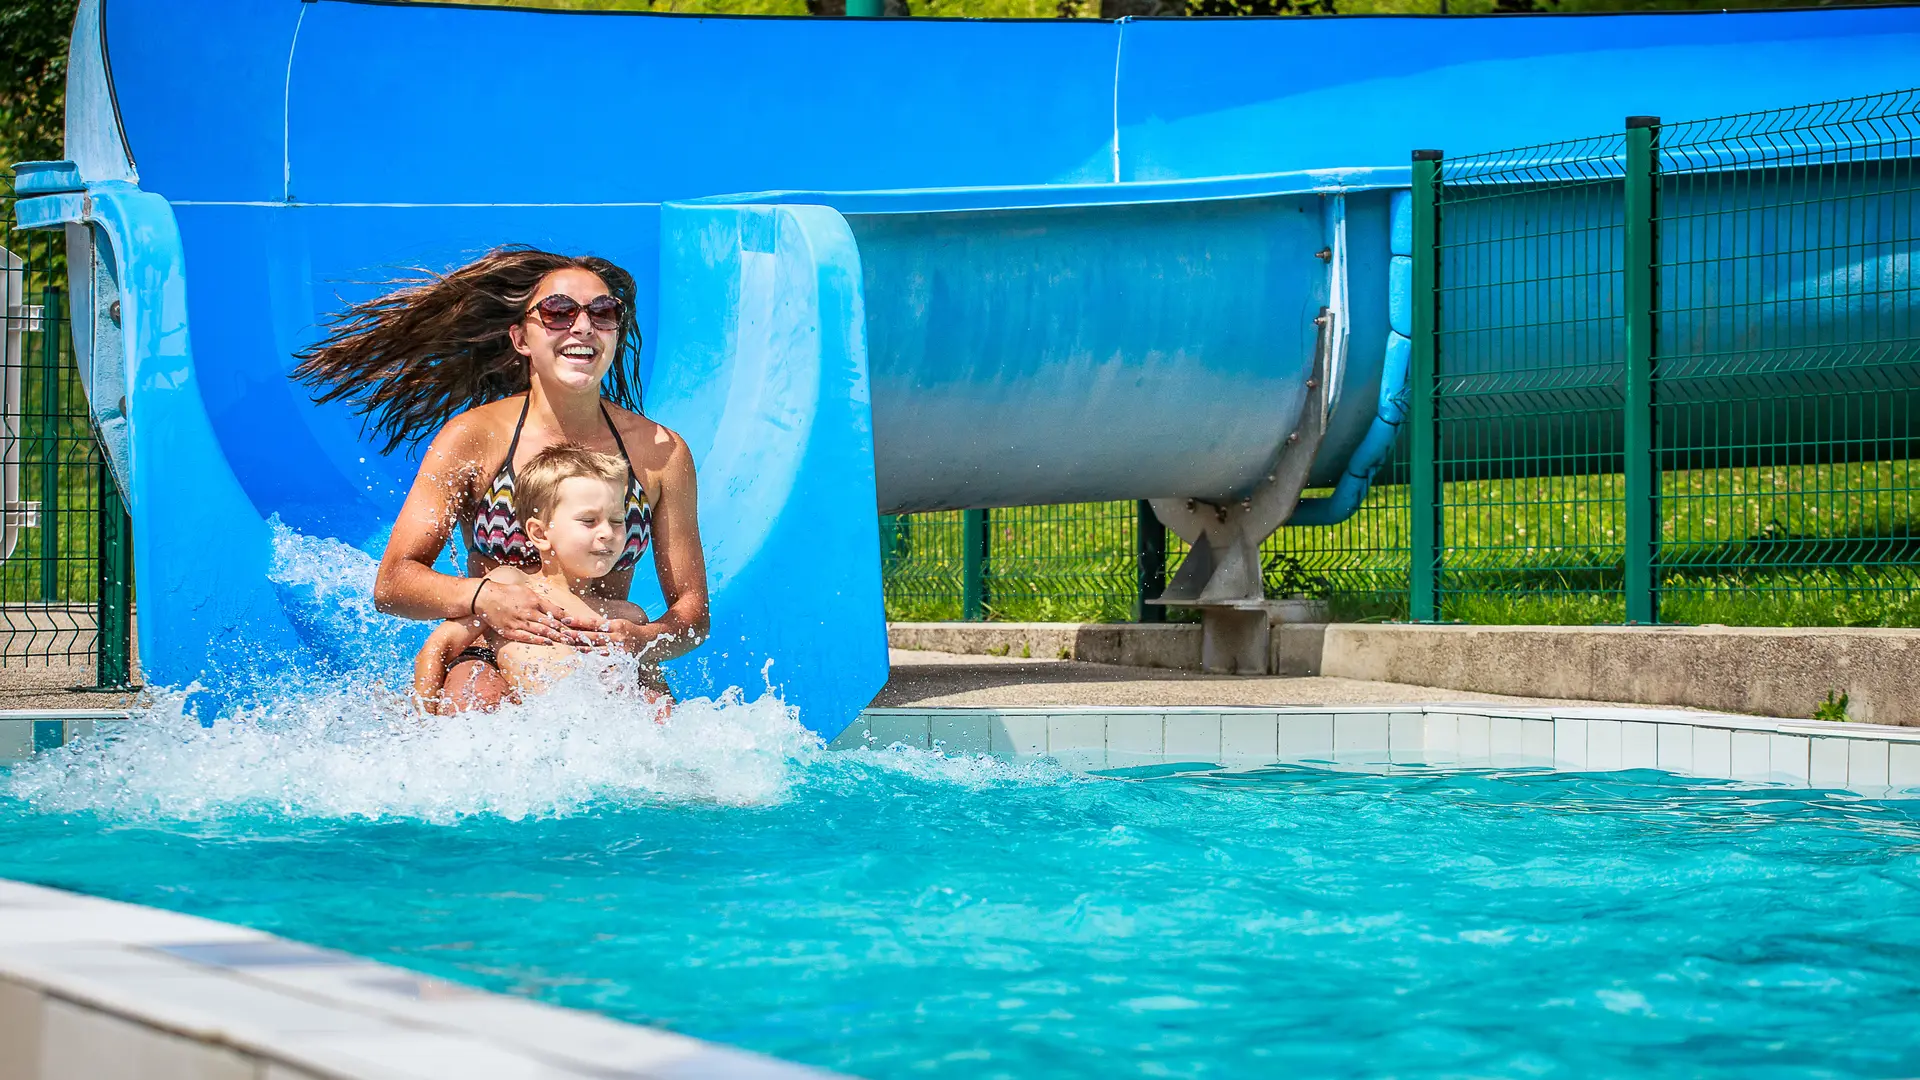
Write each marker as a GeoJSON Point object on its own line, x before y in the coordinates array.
{"type": "Point", "coordinates": [586, 530]}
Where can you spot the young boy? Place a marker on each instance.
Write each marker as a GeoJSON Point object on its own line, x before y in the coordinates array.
{"type": "Point", "coordinates": [573, 504]}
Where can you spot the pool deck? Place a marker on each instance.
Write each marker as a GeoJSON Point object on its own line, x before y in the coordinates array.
{"type": "Point", "coordinates": [93, 988]}
{"type": "Point", "coordinates": [923, 677]}
{"type": "Point", "coordinates": [59, 686]}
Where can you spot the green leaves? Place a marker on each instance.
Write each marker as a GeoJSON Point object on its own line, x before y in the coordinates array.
{"type": "Point", "coordinates": [33, 80]}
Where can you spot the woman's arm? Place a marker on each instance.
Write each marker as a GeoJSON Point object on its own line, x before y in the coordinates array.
{"type": "Point", "coordinates": [407, 584]}
{"type": "Point", "coordinates": [683, 573]}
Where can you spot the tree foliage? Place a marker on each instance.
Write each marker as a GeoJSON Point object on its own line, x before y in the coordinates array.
{"type": "Point", "coordinates": [33, 78]}
{"type": "Point", "coordinates": [33, 34]}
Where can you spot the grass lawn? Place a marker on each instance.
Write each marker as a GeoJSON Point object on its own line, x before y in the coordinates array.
{"type": "Point", "coordinates": [1790, 545]}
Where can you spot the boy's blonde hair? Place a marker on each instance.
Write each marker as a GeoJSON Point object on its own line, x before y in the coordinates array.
{"type": "Point", "coordinates": [537, 485]}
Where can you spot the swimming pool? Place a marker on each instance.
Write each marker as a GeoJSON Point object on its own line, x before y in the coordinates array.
{"type": "Point", "coordinates": [893, 913]}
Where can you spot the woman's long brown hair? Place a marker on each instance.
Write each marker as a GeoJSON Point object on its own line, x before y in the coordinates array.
{"type": "Point", "coordinates": [409, 360]}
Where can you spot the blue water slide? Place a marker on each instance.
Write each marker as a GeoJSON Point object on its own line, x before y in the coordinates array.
{"type": "Point", "coordinates": [883, 264]}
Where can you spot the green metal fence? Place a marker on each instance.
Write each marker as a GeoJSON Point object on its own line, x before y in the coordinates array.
{"type": "Point", "coordinates": [1068, 563]}
{"type": "Point", "coordinates": [1518, 385]}
{"type": "Point", "coordinates": [66, 551]}
{"type": "Point", "coordinates": [1726, 437]}
{"type": "Point", "coordinates": [1097, 562]}
{"type": "Point", "coordinates": [1666, 374]}
{"type": "Point", "coordinates": [1786, 364]}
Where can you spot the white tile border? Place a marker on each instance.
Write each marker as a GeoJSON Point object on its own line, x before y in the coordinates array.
{"type": "Point", "coordinates": [1870, 759]}
{"type": "Point", "coordinates": [92, 987]}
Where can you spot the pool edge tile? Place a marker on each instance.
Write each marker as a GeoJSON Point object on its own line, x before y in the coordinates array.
{"type": "Point", "coordinates": [961, 733]}
{"type": "Point", "coordinates": [1078, 740]}
{"type": "Point", "coordinates": [1827, 762]}
{"type": "Point", "coordinates": [1362, 737]}
{"type": "Point", "coordinates": [1442, 738]}
{"type": "Point", "coordinates": [1537, 740]}
{"type": "Point", "coordinates": [1306, 736]}
{"type": "Point", "coordinates": [1569, 743]}
{"type": "Point", "coordinates": [1017, 736]}
{"type": "Point", "coordinates": [1750, 755]}
{"type": "Point", "coordinates": [1136, 738]}
{"type": "Point", "coordinates": [1673, 750]}
{"type": "Point", "coordinates": [1406, 738]}
{"type": "Point", "coordinates": [1194, 737]}
{"type": "Point", "coordinates": [1713, 752]}
{"type": "Point", "coordinates": [1604, 745]}
{"type": "Point", "coordinates": [1867, 765]}
{"type": "Point", "coordinates": [1249, 738]}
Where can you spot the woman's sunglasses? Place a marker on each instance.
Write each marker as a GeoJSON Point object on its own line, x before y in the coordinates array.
{"type": "Point", "coordinates": [557, 312]}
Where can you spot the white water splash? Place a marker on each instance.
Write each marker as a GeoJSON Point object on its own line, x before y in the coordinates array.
{"type": "Point", "coordinates": [346, 742]}
{"type": "Point", "coordinates": [360, 753]}
{"type": "Point", "coordinates": [326, 588]}
{"type": "Point", "coordinates": [973, 771]}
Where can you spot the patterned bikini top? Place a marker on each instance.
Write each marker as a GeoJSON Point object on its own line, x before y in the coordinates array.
{"type": "Point", "coordinates": [499, 534]}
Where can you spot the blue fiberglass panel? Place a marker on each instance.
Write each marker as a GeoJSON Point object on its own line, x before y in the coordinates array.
{"type": "Point", "coordinates": [201, 94]}
{"type": "Point", "coordinates": [436, 104]}
{"type": "Point", "coordinates": [1219, 97]}
{"type": "Point", "coordinates": [762, 368]}
{"type": "Point", "coordinates": [1369, 253]}
{"type": "Point", "coordinates": [997, 338]}
{"type": "Point", "coordinates": [269, 278]}
{"type": "Point", "coordinates": [994, 332]}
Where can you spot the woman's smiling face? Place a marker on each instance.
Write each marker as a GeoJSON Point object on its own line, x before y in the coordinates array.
{"type": "Point", "coordinates": [574, 358]}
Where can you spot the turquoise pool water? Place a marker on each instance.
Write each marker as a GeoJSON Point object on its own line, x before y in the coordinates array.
{"type": "Point", "coordinates": [892, 914]}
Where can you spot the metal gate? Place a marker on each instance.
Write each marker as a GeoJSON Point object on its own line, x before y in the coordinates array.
{"type": "Point", "coordinates": [66, 547]}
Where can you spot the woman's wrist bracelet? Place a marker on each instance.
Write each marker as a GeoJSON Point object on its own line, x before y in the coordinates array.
{"type": "Point", "coordinates": [473, 605]}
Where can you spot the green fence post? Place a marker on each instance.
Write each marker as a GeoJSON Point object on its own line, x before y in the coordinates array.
{"type": "Point", "coordinates": [1640, 264]}
{"type": "Point", "coordinates": [1150, 564]}
{"type": "Point", "coordinates": [865, 9]}
{"type": "Point", "coordinates": [113, 662]}
{"type": "Point", "coordinates": [974, 552]}
{"type": "Point", "coordinates": [1423, 571]}
{"type": "Point", "coordinates": [49, 445]}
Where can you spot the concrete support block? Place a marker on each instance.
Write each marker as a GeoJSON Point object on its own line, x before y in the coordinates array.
{"type": "Point", "coordinates": [1234, 641]}
{"type": "Point", "coordinates": [1175, 646]}
{"type": "Point", "coordinates": [1296, 648]}
{"type": "Point", "coordinates": [1039, 641]}
{"type": "Point", "coordinates": [1766, 671]}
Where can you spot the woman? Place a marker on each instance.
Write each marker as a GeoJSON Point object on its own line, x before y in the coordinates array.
{"type": "Point", "coordinates": [524, 342]}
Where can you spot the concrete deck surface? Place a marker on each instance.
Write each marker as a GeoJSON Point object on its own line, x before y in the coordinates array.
{"type": "Point", "coordinates": [56, 686]}
{"type": "Point", "coordinates": [923, 677]}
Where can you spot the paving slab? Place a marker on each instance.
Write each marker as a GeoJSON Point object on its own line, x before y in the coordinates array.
{"type": "Point", "coordinates": [25, 685]}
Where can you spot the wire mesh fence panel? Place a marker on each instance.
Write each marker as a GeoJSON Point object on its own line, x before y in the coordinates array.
{"type": "Point", "coordinates": [1072, 562]}
{"type": "Point", "coordinates": [1674, 378]}
{"type": "Point", "coordinates": [1359, 566]}
{"type": "Point", "coordinates": [921, 566]}
{"type": "Point", "coordinates": [1528, 384]}
{"type": "Point", "coordinates": [1081, 562]}
{"type": "Point", "coordinates": [1787, 365]}
{"type": "Point", "coordinates": [59, 575]}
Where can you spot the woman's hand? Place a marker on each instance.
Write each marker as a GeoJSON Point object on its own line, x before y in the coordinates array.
{"type": "Point", "coordinates": [649, 642]}
{"type": "Point", "coordinates": [517, 613]}
{"type": "Point", "coordinates": [634, 636]}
